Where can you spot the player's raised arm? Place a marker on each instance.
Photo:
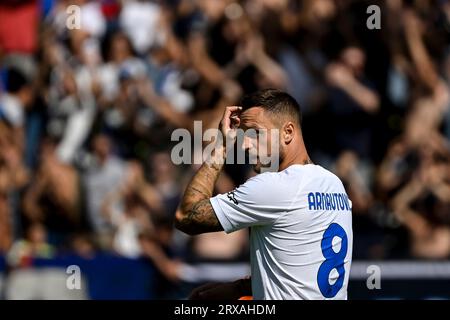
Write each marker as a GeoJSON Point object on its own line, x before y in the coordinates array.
{"type": "Point", "coordinates": [195, 214]}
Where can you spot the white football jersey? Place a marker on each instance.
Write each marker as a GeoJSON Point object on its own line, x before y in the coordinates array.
{"type": "Point", "coordinates": [301, 234]}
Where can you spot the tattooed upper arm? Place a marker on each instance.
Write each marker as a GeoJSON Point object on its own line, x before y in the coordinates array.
{"type": "Point", "coordinates": [198, 218]}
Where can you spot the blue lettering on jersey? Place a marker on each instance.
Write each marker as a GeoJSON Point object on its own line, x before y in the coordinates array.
{"type": "Point", "coordinates": [311, 201]}
{"type": "Point", "coordinates": [333, 201]}
{"type": "Point", "coordinates": [319, 200]}
{"type": "Point", "coordinates": [328, 201]}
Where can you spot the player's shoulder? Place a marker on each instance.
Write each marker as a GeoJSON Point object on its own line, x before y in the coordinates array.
{"type": "Point", "coordinates": [314, 171]}
{"type": "Point", "coordinates": [309, 174]}
{"type": "Point", "coordinates": [325, 172]}
{"type": "Point", "coordinates": [280, 181]}
{"type": "Point", "coordinates": [260, 182]}
{"type": "Point", "coordinates": [305, 171]}
{"type": "Point", "coordinates": [295, 170]}
{"type": "Point", "coordinates": [266, 189]}
{"type": "Point", "coordinates": [292, 174]}
{"type": "Point", "coordinates": [267, 178]}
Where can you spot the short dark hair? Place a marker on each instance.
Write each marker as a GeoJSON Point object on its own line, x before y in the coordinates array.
{"type": "Point", "coordinates": [274, 101]}
{"type": "Point", "coordinates": [15, 80]}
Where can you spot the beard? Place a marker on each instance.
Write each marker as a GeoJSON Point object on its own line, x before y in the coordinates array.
{"type": "Point", "coordinates": [258, 167]}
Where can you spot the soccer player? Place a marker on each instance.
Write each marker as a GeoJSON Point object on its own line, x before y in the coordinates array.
{"type": "Point", "coordinates": [299, 217]}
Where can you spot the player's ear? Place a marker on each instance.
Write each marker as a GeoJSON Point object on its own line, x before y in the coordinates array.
{"type": "Point", "coordinates": [288, 132]}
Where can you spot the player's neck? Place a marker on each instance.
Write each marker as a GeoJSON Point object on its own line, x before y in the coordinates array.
{"type": "Point", "coordinates": [298, 155]}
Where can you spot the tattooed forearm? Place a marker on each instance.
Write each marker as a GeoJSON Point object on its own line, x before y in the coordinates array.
{"type": "Point", "coordinates": [196, 214]}
{"type": "Point", "coordinates": [199, 219]}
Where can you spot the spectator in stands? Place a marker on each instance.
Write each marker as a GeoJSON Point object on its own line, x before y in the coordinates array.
{"type": "Point", "coordinates": [34, 245]}
{"type": "Point", "coordinates": [353, 101]}
{"type": "Point", "coordinates": [53, 196]}
{"type": "Point", "coordinates": [13, 103]}
{"type": "Point", "coordinates": [13, 176]}
{"type": "Point", "coordinates": [423, 207]}
{"type": "Point", "coordinates": [103, 176]}
{"type": "Point", "coordinates": [137, 203]}
{"type": "Point", "coordinates": [165, 180]}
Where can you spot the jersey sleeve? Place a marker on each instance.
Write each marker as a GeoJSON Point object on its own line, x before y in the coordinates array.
{"type": "Point", "coordinates": [254, 203]}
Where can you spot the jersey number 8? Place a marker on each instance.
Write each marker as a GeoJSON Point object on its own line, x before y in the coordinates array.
{"type": "Point", "coordinates": [333, 260]}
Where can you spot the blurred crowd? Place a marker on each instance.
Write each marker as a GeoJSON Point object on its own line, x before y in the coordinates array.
{"type": "Point", "coordinates": [86, 117]}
